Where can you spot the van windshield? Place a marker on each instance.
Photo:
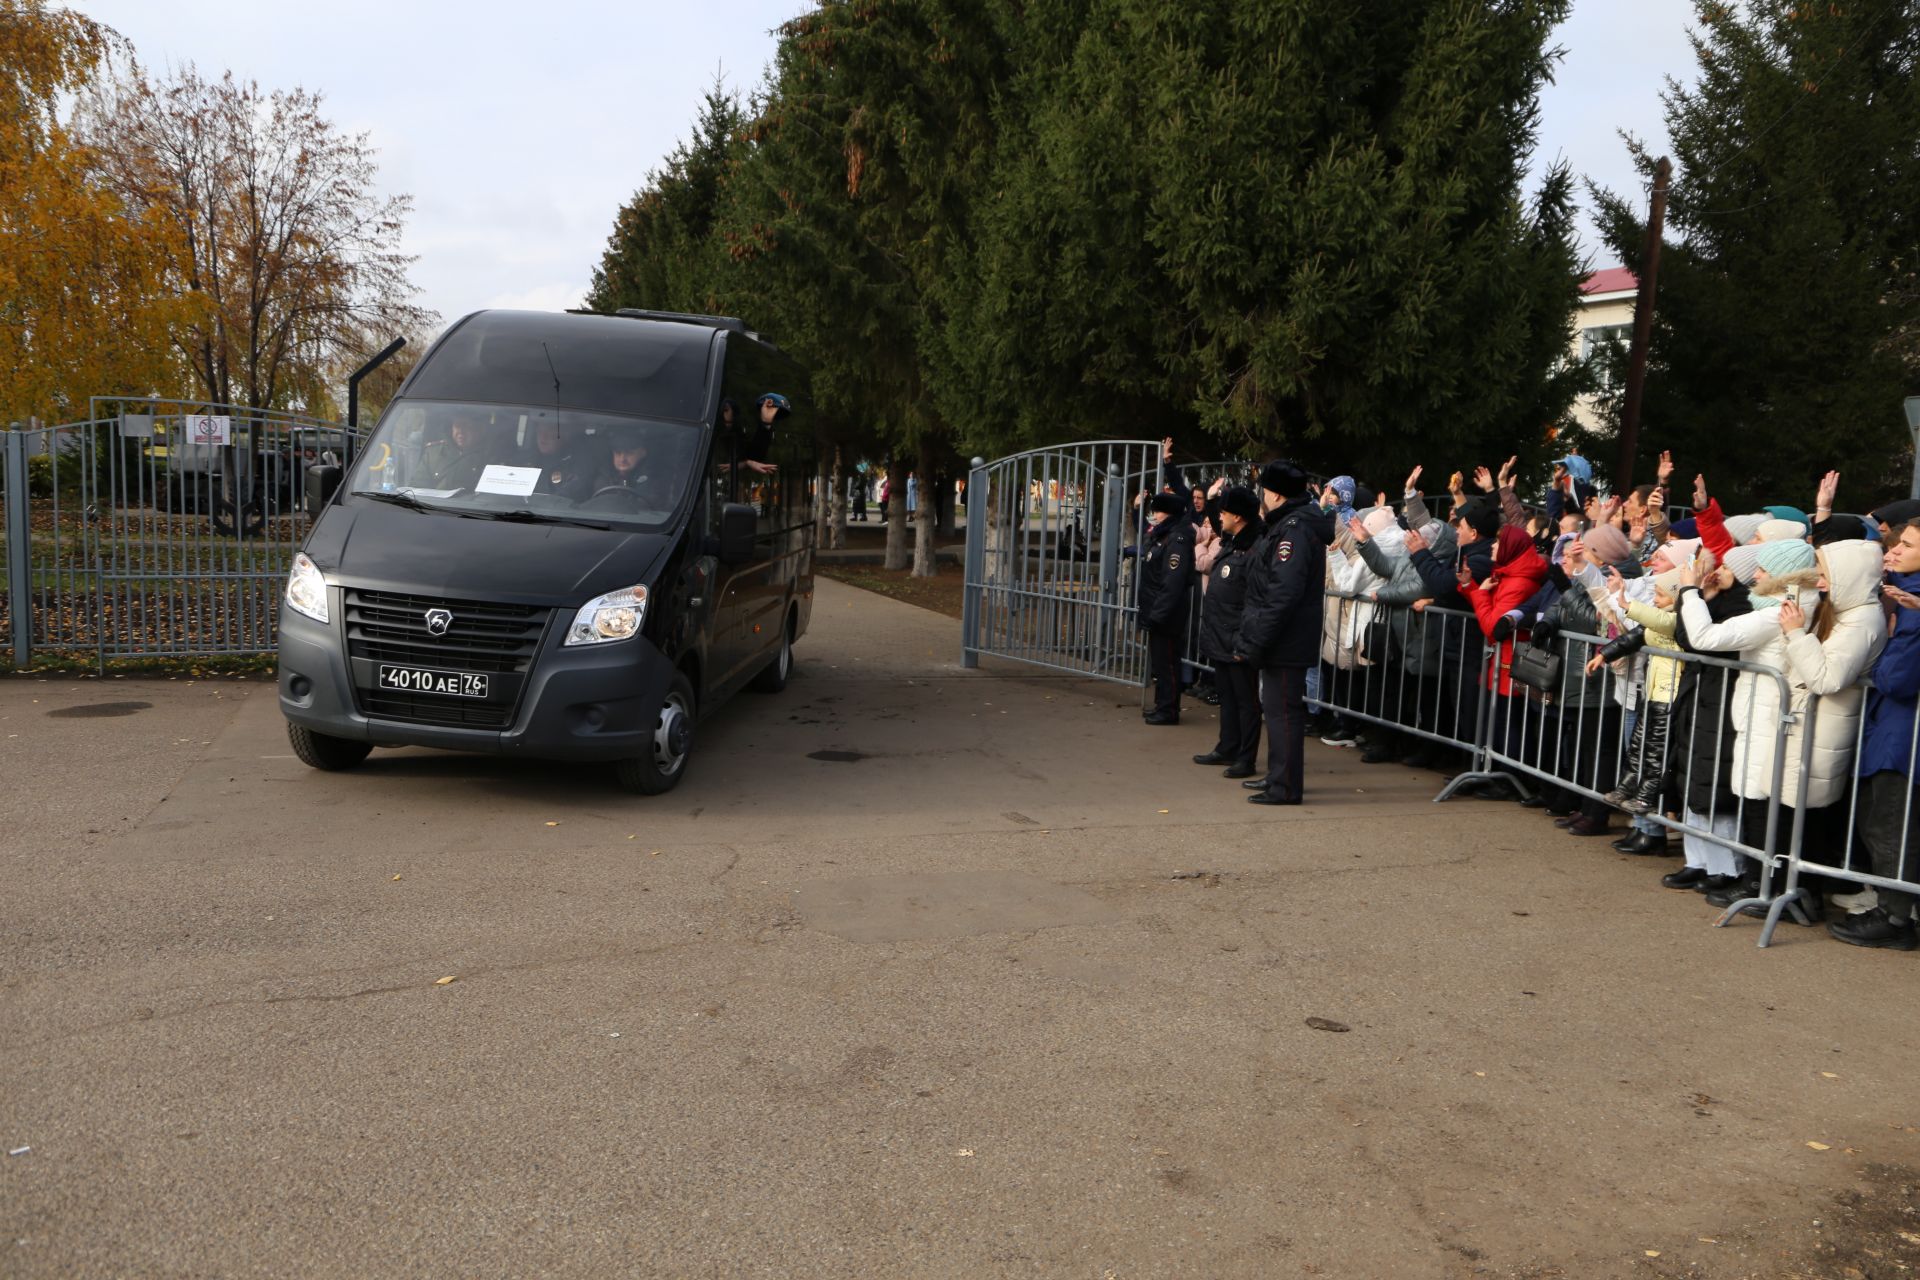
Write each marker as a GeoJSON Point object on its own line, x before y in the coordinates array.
{"type": "Point", "coordinates": [528, 462]}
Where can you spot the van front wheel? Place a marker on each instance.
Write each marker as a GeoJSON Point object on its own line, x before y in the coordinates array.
{"type": "Point", "coordinates": [319, 751]}
{"type": "Point", "coordinates": [661, 768]}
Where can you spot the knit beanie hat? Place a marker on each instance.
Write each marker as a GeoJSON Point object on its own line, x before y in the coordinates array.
{"type": "Point", "coordinates": [1744, 561]}
{"type": "Point", "coordinates": [1607, 544]}
{"type": "Point", "coordinates": [1483, 518]}
{"type": "Point", "coordinates": [1681, 550]}
{"type": "Point", "coordinates": [1685, 528]}
{"type": "Point", "coordinates": [1794, 514]}
{"type": "Point", "coordinates": [1743, 528]}
{"type": "Point", "coordinates": [1895, 514]}
{"type": "Point", "coordinates": [1378, 520]}
{"type": "Point", "coordinates": [1283, 478]}
{"type": "Point", "coordinates": [1668, 582]}
{"type": "Point", "coordinates": [1780, 531]}
{"type": "Point", "coordinates": [1787, 555]}
{"type": "Point", "coordinates": [1240, 501]}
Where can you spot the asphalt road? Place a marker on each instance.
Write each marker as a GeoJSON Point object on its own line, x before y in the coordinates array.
{"type": "Point", "coordinates": [937, 1004]}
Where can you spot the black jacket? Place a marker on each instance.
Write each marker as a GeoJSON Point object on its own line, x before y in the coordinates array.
{"type": "Point", "coordinates": [1702, 729]}
{"type": "Point", "coordinates": [1166, 574]}
{"type": "Point", "coordinates": [1286, 588]}
{"type": "Point", "coordinates": [1226, 595]}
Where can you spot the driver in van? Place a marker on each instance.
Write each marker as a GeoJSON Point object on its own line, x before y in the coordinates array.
{"type": "Point", "coordinates": [457, 461]}
{"type": "Point", "coordinates": [628, 469]}
{"type": "Point", "coordinates": [564, 472]}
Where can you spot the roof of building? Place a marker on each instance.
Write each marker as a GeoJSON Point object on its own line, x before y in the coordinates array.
{"type": "Point", "coordinates": [1611, 280]}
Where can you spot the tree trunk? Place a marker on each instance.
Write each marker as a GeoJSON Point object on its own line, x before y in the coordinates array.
{"type": "Point", "coordinates": [837, 504]}
{"type": "Point", "coordinates": [896, 518]}
{"type": "Point", "coordinates": [924, 514]}
{"type": "Point", "coordinates": [943, 511]}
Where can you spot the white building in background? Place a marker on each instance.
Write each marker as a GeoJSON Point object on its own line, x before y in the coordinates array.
{"type": "Point", "coordinates": [1605, 313]}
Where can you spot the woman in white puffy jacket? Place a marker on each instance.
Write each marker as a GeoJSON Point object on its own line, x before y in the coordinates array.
{"type": "Point", "coordinates": [1826, 660]}
{"type": "Point", "coordinates": [1785, 569]}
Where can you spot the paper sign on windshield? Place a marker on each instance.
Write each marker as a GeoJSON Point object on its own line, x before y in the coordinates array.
{"type": "Point", "coordinates": [516, 482]}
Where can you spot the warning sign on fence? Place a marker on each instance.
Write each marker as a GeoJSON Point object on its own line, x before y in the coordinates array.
{"type": "Point", "coordinates": [208, 428]}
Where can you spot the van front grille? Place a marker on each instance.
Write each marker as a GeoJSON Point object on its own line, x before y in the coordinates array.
{"type": "Point", "coordinates": [385, 626]}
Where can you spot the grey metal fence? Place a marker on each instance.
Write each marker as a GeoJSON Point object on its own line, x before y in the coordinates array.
{"type": "Point", "coordinates": [1047, 578]}
{"type": "Point", "coordinates": [155, 528]}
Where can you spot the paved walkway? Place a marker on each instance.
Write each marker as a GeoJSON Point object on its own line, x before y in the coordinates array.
{"type": "Point", "coordinates": [913, 976]}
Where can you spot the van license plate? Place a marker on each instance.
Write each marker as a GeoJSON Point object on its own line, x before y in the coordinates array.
{"type": "Point", "coordinates": [452, 684]}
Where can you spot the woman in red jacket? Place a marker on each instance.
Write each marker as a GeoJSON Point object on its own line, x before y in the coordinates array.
{"type": "Point", "coordinates": [1518, 573]}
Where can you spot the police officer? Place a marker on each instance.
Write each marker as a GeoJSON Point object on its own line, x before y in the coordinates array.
{"type": "Point", "coordinates": [627, 469]}
{"type": "Point", "coordinates": [1166, 572]}
{"type": "Point", "coordinates": [1280, 623]}
{"type": "Point", "coordinates": [1236, 682]}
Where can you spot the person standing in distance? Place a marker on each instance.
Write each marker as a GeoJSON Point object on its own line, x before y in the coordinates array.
{"type": "Point", "coordinates": [1166, 573]}
{"type": "Point", "coordinates": [1280, 623]}
{"type": "Point", "coordinates": [1237, 683]}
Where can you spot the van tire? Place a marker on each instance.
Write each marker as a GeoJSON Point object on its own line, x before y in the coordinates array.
{"type": "Point", "coordinates": [660, 769]}
{"type": "Point", "coordinates": [319, 751]}
{"type": "Point", "coordinates": [773, 676]}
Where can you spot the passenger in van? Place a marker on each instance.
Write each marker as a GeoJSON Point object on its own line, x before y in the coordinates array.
{"type": "Point", "coordinates": [751, 450]}
{"type": "Point", "coordinates": [565, 471]}
{"type": "Point", "coordinates": [457, 461]}
{"type": "Point", "coordinates": [628, 469]}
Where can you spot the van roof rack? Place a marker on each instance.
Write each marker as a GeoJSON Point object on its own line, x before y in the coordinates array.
{"type": "Point", "coordinates": [732, 323]}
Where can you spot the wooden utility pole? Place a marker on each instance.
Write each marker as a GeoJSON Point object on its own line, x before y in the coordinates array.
{"type": "Point", "coordinates": [1642, 327]}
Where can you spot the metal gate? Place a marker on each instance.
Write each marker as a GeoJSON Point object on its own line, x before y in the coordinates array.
{"type": "Point", "coordinates": [155, 528]}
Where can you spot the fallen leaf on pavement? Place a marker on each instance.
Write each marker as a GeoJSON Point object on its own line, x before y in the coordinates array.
{"type": "Point", "coordinates": [396, 877]}
{"type": "Point", "coordinates": [441, 982]}
{"type": "Point", "coordinates": [1828, 1075]}
{"type": "Point", "coordinates": [1652, 1253]}
{"type": "Point", "coordinates": [1327, 1024]}
{"type": "Point", "coordinates": [1820, 1146]}
{"type": "Point", "coordinates": [553, 824]}
{"type": "Point", "coordinates": [964, 1151]}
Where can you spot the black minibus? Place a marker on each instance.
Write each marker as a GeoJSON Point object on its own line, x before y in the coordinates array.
{"type": "Point", "coordinates": [570, 536]}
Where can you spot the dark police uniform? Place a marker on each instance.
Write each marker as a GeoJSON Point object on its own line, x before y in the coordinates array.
{"type": "Point", "coordinates": [1166, 574]}
{"type": "Point", "coordinates": [1280, 632]}
{"type": "Point", "coordinates": [1238, 683]}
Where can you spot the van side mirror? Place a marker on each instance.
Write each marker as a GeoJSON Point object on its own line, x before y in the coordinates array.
{"type": "Point", "coordinates": [737, 524]}
{"type": "Point", "coordinates": [321, 481]}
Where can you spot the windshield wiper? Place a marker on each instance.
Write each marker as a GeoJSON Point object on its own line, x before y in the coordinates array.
{"type": "Point", "coordinates": [521, 515]}
{"type": "Point", "coordinates": [398, 497]}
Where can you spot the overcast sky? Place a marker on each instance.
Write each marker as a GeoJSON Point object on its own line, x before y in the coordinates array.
{"type": "Point", "coordinates": [519, 128]}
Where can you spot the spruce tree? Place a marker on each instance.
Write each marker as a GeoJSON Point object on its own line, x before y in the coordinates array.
{"type": "Point", "coordinates": [1784, 334]}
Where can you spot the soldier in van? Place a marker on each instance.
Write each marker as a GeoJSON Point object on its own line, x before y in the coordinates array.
{"type": "Point", "coordinates": [457, 461]}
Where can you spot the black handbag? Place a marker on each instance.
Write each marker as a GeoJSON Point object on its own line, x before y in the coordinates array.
{"type": "Point", "coordinates": [1537, 668]}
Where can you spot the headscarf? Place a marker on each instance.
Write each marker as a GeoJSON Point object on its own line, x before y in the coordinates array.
{"type": "Point", "coordinates": [1342, 488]}
{"type": "Point", "coordinates": [1511, 543]}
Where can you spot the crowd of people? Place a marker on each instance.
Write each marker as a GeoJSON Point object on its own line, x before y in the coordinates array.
{"type": "Point", "coordinates": [1617, 658]}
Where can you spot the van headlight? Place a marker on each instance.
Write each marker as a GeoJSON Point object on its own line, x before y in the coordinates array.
{"type": "Point", "coordinates": [307, 589]}
{"type": "Point", "coordinates": [616, 615]}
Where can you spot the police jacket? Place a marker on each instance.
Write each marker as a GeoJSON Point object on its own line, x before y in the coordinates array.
{"type": "Point", "coordinates": [1286, 583]}
{"type": "Point", "coordinates": [1166, 572]}
{"type": "Point", "coordinates": [1226, 594]}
